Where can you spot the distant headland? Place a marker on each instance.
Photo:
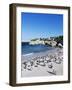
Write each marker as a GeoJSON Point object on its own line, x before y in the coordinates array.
{"type": "Point", "coordinates": [52, 41]}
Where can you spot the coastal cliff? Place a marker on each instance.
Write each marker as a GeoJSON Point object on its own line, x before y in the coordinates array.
{"type": "Point", "coordinates": [44, 42]}
{"type": "Point", "coordinates": [52, 41]}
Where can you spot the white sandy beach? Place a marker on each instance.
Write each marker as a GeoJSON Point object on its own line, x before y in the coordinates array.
{"type": "Point", "coordinates": [46, 63]}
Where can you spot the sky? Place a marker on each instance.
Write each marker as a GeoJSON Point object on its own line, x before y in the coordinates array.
{"type": "Point", "coordinates": [36, 25]}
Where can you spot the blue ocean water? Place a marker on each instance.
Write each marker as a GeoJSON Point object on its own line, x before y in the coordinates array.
{"type": "Point", "coordinates": [27, 49]}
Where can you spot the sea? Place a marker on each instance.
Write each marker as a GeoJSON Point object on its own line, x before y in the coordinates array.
{"type": "Point", "coordinates": [27, 49]}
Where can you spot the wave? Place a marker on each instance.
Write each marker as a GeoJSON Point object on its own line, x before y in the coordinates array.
{"type": "Point", "coordinates": [28, 54]}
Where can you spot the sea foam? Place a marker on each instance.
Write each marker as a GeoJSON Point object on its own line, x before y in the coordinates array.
{"type": "Point", "coordinates": [28, 54]}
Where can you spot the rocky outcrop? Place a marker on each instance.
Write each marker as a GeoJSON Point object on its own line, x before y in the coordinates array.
{"type": "Point", "coordinates": [44, 42]}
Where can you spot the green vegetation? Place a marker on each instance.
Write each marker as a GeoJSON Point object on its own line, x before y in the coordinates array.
{"type": "Point", "coordinates": [34, 39]}
{"type": "Point", "coordinates": [59, 39]}
{"type": "Point", "coordinates": [44, 39]}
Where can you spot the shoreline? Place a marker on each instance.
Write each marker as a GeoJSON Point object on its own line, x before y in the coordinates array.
{"type": "Point", "coordinates": [41, 68]}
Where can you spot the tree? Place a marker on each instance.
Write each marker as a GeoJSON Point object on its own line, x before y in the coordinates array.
{"type": "Point", "coordinates": [59, 39]}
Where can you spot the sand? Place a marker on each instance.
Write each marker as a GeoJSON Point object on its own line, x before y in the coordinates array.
{"type": "Point", "coordinates": [46, 63]}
